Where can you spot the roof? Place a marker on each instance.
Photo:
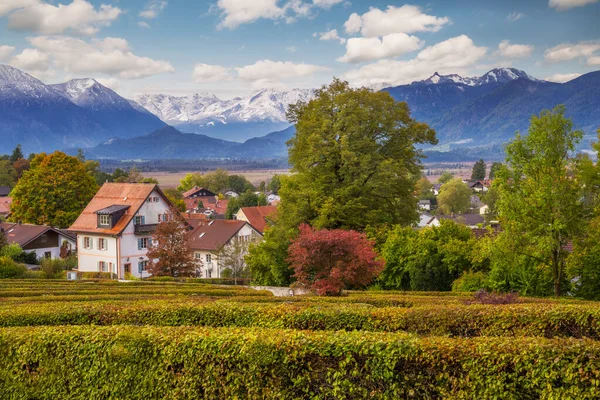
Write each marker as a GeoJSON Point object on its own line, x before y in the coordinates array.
{"type": "Point", "coordinates": [23, 234]}
{"type": "Point", "coordinates": [5, 203]}
{"type": "Point", "coordinates": [220, 207]}
{"type": "Point", "coordinates": [113, 209]}
{"type": "Point", "coordinates": [424, 201]}
{"type": "Point", "coordinates": [4, 191]}
{"type": "Point", "coordinates": [197, 189]}
{"type": "Point", "coordinates": [112, 194]}
{"type": "Point", "coordinates": [212, 235]}
{"type": "Point", "coordinates": [258, 216]}
{"type": "Point", "coordinates": [466, 219]}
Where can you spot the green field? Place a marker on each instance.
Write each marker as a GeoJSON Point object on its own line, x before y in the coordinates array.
{"type": "Point", "coordinates": [149, 340]}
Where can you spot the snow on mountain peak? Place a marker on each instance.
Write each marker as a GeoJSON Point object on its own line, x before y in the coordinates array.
{"type": "Point", "coordinates": [497, 75]}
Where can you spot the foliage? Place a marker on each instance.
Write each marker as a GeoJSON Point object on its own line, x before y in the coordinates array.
{"type": "Point", "coordinates": [17, 154]}
{"type": "Point", "coordinates": [539, 202]}
{"type": "Point", "coordinates": [232, 258]}
{"type": "Point", "coordinates": [3, 240]}
{"type": "Point", "coordinates": [445, 177]}
{"type": "Point", "coordinates": [10, 269]}
{"type": "Point", "coordinates": [274, 184]}
{"type": "Point", "coordinates": [65, 250]}
{"type": "Point", "coordinates": [428, 259]}
{"type": "Point", "coordinates": [16, 253]}
{"type": "Point", "coordinates": [170, 254]}
{"type": "Point", "coordinates": [454, 197]}
{"type": "Point", "coordinates": [329, 261]}
{"type": "Point", "coordinates": [584, 263]}
{"type": "Point", "coordinates": [494, 169]}
{"type": "Point", "coordinates": [176, 198]}
{"type": "Point", "coordinates": [218, 181]}
{"type": "Point", "coordinates": [8, 174]}
{"type": "Point", "coordinates": [268, 259]}
{"type": "Point", "coordinates": [479, 171]}
{"type": "Point", "coordinates": [470, 281]}
{"type": "Point", "coordinates": [482, 296]}
{"type": "Point", "coordinates": [423, 189]}
{"type": "Point", "coordinates": [53, 192]}
{"type": "Point", "coordinates": [354, 159]}
{"type": "Point", "coordinates": [246, 199]}
{"type": "Point", "coordinates": [53, 267]}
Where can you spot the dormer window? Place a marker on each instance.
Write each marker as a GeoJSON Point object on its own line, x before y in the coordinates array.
{"type": "Point", "coordinates": [109, 216]}
{"type": "Point", "coordinates": [104, 220]}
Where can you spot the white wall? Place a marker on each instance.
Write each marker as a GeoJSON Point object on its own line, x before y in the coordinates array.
{"type": "Point", "coordinates": [88, 258]}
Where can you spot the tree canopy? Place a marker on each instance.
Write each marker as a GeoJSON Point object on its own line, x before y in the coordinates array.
{"type": "Point", "coordinates": [479, 171]}
{"type": "Point", "coordinates": [454, 197]}
{"type": "Point", "coordinates": [218, 181]}
{"type": "Point", "coordinates": [53, 191]}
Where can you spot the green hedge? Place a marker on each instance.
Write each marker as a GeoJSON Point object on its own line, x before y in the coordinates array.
{"type": "Point", "coordinates": [188, 363]}
{"type": "Point", "coordinates": [465, 321]}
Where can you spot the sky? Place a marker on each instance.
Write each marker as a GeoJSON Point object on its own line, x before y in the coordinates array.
{"type": "Point", "coordinates": [235, 47]}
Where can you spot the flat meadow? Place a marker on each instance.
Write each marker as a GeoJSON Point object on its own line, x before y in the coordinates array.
{"type": "Point", "coordinates": [190, 340]}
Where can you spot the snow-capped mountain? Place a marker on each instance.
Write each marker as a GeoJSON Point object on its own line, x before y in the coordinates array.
{"type": "Point", "coordinates": [78, 113]}
{"type": "Point", "coordinates": [260, 113]}
{"type": "Point", "coordinates": [497, 75]}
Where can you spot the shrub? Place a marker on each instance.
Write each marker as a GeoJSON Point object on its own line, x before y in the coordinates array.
{"type": "Point", "coordinates": [484, 297]}
{"type": "Point", "coordinates": [9, 269]}
{"type": "Point", "coordinates": [470, 282]}
{"type": "Point", "coordinates": [52, 267]}
{"type": "Point", "coordinates": [328, 261]}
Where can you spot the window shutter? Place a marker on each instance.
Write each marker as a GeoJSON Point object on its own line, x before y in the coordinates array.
{"type": "Point", "coordinates": [143, 220]}
{"type": "Point", "coordinates": [139, 244]}
{"type": "Point", "coordinates": [140, 267]}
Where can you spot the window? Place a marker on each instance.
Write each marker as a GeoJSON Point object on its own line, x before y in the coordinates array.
{"type": "Point", "coordinates": [44, 238]}
{"type": "Point", "coordinates": [139, 220]}
{"type": "Point", "coordinates": [142, 266]}
{"type": "Point", "coordinates": [209, 258]}
{"type": "Point", "coordinates": [87, 243]}
{"type": "Point", "coordinates": [198, 256]}
{"type": "Point", "coordinates": [164, 217]}
{"type": "Point", "coordinates": [104, 220]}
{"type": "Point", "coordinates": [142, 243]}
{"type": "Point", "coordinates": [156, 199]}
{"type": "Point", "coordinates": [102, 244]}
{"type": "Point", "coordinates": [48, 254]}
{"type": "Point", "coordinates": [102, 267]}
{"type": "Point", "coordinates": [127, 268]}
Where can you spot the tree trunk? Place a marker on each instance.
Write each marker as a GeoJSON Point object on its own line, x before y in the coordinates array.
{"type": "Point", "coordinates": [556, 271]}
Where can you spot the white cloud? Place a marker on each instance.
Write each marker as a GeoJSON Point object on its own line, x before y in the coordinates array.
{"type": "Point", "coordinates": [111, 83]}
{"type": "Point", "coordinates": [291, 49]}
{"type": "Point", "coordinates": [153, 8]}
{"type": "Point", "coordinates": [515, 16]}
{"type": "Point", "coordinates": [79, 17]}
{"type": "Point", "coordinates": [144, 24]}
{"type": "Point", "coordinates": [238, 12]}
{"type": "Point", "coordinates": [110, 56]}
{"type": "Point", "coordinates": [5, 52]}
{"type": "Point", "coordinates": [505, 49]}
{"type": "Point", "coordinates": [211, 73]}
{"type": "Point", "coordinates": [568, 51]}
{"type": "Point", "coordinates": [562, 5]}
{"type": "Point", "coordinates": [7, 6]}
{"type": "Point", "coordinates": [593, 60]}
{"type": "Point", "coordinates": [367, 49]}
{"type": "Point", "coordinates": [331, 35]}
{"type": "Point", "coordinates": [31, 60]}
{"type": "Point", "coordinates": [327, 4]}
{"type": "Point", "coordinates": [561, 78]}
{"type": "Point", "coordinates": [277, 70]}
{"type": "Point", "coordinates": [404, 19]}
{"type": "Point", "coordinates": [454, 55]}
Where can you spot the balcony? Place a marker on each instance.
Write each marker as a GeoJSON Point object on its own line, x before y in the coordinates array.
{"type": "Point", "coordinates": [144, 229]}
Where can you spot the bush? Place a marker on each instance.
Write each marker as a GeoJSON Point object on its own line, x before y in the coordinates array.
{"type": "Point", "coordinates": [15, 252]}
{"type": "Point", "coordinates": [484, 297]}
{"type": "Point", "coordinates": [9, 269]}
{"type": "Point", "coordinates": [470, 282]}
{"type": "Point", "coordinates": [96, 275]}
{"type": "Point", "coordinates": [192, 363]}
{"type": "Point", "coordinates": [53, 267]}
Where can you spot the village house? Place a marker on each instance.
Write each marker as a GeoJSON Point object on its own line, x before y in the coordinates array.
{"type": "Point", "coordinates": [115, 230]}
{"type": "Point", "coordinates": [425, 205]}
{"type": "Point", "coordinates": [43, 240]}
{"type": "Point", "coordinates": [474, 220]}
{"type": "Point", "coordinates": [207, 239]}
{"type": "Point", "coordinates": [4, 191]}
{"type": "Point", "coordinates": [259, 217]}
{"type": "Point", "coordinates": [479, 186]}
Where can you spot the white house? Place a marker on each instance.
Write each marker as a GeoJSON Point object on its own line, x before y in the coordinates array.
{"type": "Point", "coordinates": [425, 205]}
{"type": "Point", "coordinates": [208, 238]}
{"type": "Point", "coordinates": [114, 230]}
{"type": "Point", "coordinates": [44, 240]}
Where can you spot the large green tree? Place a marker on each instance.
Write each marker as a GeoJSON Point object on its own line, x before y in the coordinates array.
{"type": "Point", "coordinates": [53, 191]}
{"type": "Point", "coordinates": [454, 197]}
{"type": "Point", "coordinates": [479, 171]}
{"type": "Point", "coordinates": [540, 202]}
{"type": "Point", "coordinates": [355, 164]}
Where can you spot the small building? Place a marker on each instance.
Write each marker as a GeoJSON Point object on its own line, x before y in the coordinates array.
{"type": "Point", "coordinates": [44, 240]}
{"type": "Point", "coordinates": [114, 230]}
{"type": "Point", "coordinates": [5, 203]}
{"type": "Point", "coordinates": [208, 238]}
{"type": "Point", "coordinates": [479, 186]}
{"type": "Point", "coordinates": [471, 220]}
{"type": "Point", "coordinates": [426, 220]}
{"type": "Point", "coordinates": [485, 209]}
{"type": "Point", "coordinates": [259, 217]}
{"type": "Point", "coordinates": [196, 192]}
{"type": "Point", "coordinates": [232, 193]}
{"type": "Point", "coordinates": [436, 188]}
{"type": "Point", "coordinates": [425, 205]}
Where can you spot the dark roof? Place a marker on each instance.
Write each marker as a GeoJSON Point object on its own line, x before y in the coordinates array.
{"type": "Point", "coordinates": [197, 189]}
{"type": "Point", "coordinates": [113, 209]}
{"type": "Point", "coordinates": [466, 219]}
{"type": "Point", "coordinates": [211, 235]}
{"type": "Point", "coordinates": [23, 234]}
{"type": "Point", "coordinates": [424, 201]}
{"type": "Point", "coordinates": [4, 191]}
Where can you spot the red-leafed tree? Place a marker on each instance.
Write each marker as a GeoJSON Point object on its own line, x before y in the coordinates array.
{"type": "Point", "coordinates": [169, 254]}
{"type": "Point", "coordinates": [329, 261]}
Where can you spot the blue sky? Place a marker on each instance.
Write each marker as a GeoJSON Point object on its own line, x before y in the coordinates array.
{"type": "Point", "coordinates": [234, 47]}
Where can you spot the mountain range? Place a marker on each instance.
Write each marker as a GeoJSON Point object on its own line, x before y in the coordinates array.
{"type": "Point", "coordinates": [472, 115]}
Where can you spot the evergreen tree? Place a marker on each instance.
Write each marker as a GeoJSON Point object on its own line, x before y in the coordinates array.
{"type": "Point", "coordinates": [17, 154]}
{"type": "Point", "coordinates": [479, 171]}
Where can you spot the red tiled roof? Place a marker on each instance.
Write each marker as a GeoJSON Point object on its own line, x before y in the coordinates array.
{"type": "Point", "coordinates": [131, 194]}
{"type": "Point", "coordinates": [211, 235]}
{"type": "Point", "coordinates": [220, 207]}
{"type": "Point", "coordinates": [258, 216]}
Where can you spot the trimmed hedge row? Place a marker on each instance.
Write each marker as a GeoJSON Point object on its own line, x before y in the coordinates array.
{"type": "Point", "coordinates": [196, 363]}
{"type": "Point", "coordinates": [456, 321]}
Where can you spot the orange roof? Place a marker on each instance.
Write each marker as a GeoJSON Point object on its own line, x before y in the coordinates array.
{"type": "Point", "coordinates": [257, 216]}
{"type": "Point", "coordinates": [220, 207]}
{"type": "Point", "coordinates": [212, 235]}
{"type": "Point", "coordinates": [129, 194]}
{"type": "Point", "coordinates": [5, 203]}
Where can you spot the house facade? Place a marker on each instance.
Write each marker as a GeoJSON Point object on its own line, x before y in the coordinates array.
{"type": "Point", "coordinates": [43, 240]}
{"type": "Point", "coordinates": [115, 230]}
{"type": "Point", "coordinates": [208, 238]}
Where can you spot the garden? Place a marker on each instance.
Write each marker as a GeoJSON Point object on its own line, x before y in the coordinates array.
{"type": "Point", "coordinates": [98, 339]}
